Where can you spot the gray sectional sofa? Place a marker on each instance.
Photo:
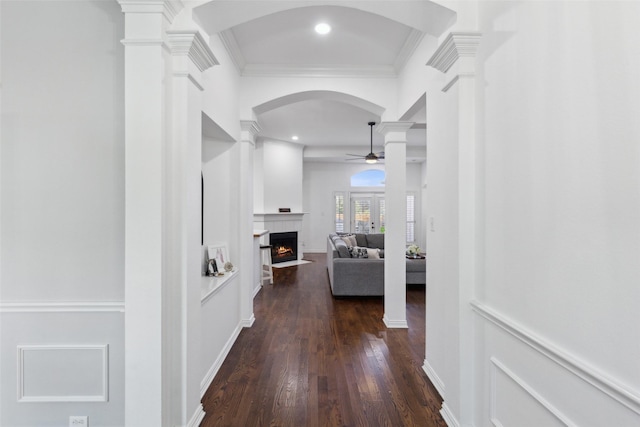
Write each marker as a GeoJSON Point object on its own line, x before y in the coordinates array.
{"type": "Point", "coordinates": [351, 276]}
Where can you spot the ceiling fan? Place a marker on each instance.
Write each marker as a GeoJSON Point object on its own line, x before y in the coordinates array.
{"type": "Point", "coordinates": [371, 157]}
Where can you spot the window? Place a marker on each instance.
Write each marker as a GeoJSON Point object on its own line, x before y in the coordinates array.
{"type": "Point", "coordinates": [339, 211]}
{"type": "Point", "coordinates": [368, 178]}
{"type": "Point", "coordinates": [411, 218]}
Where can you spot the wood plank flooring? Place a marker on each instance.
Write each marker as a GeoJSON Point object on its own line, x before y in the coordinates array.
{"type": "Point", "coordinates": [314, 360]}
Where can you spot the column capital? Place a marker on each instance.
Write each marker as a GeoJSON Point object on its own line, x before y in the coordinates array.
{"type": "Point", "coordinates": [169, 8]}
{"type": "Point", "coordinates": [249, 129]}
{"type": "Point", "coordinates": [394, 131]}
{"type": "Point", "coordinates": [192, 44]}
{"type": "Point", "coordinates": [456, 45]}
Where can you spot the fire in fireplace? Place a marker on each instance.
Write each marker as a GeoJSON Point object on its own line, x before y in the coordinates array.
{"type": "Point", "coordinates": [284, 246]}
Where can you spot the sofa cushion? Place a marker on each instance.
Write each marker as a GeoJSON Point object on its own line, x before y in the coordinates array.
{"type": "Point", "coordinates": [375, 241]}
{"type": "Point", "coordinates": [342, 248]}
{"type": "Point", "coordinates": [361, 239]}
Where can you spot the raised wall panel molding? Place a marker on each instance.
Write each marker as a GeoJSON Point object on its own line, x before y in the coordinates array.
{"type": "Point", "coordinates": [583, 370]}
{"type": "Point", "coordinates": [62, 307]}
{"type": "Point", "coordinates": [455, 45]}
{"type": "Point", "coordinates": [192, 44]}
{"type": "Point", "coordinates": [28, 387]}
{"type": "Point", "coordinates": [433, 377]}
{"type": "Point", "coordinates": [496, 365]}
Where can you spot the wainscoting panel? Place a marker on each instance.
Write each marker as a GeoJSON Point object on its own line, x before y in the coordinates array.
{"type": "Point", "coordinates": [63, 373]}
{"type": "Point", "coordinates": [524, 379]}
{"type": "Point", "coordinates": [61, 359]}
{"type": "Point", "coordinates": [511, 397]}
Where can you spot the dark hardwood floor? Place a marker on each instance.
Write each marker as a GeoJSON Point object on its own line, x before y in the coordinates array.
{"type": "Point", "coordinates": [314, 360]}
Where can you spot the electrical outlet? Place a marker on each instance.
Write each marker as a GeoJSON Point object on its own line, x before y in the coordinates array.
{"type": "Point", "coordinates": [78, 421]}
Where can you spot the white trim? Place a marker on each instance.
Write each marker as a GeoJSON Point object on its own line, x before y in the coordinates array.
{"type": "Point", "coordinates": [448, 416]}
{"type": "Point", "coordinates": [259, 70]}
{"type": "Point", "coordinates": [455, 79]}
{"type": "Point", "coordinates": [213, 285]}
{"type": "Point", "coordinates": [408, 48]}
{"type": "Point", "coordinates": [455, 45]}
{"type": "Point", "coordinates": [496, 364]}
{"type": "Point", "coordinates": [247, 323]}
{"type": "Point", "coordinates": [215, 367]}
{"type": "Point", "coordinates": [257, 289]}
{"type": "Point", "coordinates": [104, 397]}
{"type": "Point", "coordinates": [591, 375]}
{"type": "Point", "coordinates": [63, 307]}
{"type": "Point", "coordinates": [197, 417]}
{"type": "Point", "coordinates": [397, 324]}
{"type": "Point", "coordinates": [433, 377]}
{"type": "Point", "coordinates": [230, 43]}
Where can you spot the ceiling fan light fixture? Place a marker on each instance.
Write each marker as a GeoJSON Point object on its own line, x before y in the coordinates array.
{"type": "Point", "coordinates": [323, 28]}
{"type": "Point", "coordinates": [371, 158]}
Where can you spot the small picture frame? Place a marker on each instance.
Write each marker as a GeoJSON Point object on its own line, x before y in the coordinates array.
{"type": "Point", "coordinates": [284, 210]}
{"type": "Point", "coordinates": [218, 252]}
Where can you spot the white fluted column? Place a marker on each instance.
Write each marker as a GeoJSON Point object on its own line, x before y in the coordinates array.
{"type": "Point", "coordinates": [395, 195]}
{"type": "Point", "coordinates": [249, 129]}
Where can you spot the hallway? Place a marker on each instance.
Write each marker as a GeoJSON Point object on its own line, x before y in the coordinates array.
{"type": "Point", "coordinates": [312, 360]}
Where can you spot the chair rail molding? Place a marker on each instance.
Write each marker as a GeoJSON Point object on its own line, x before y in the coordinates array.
{"type": "Point", "coordinates": [580, 368]}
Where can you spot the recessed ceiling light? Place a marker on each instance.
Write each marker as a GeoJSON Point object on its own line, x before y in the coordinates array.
{"type": "Point", "coordinates": [294, 137]}
{"type": "Point", "coordinates": [323, 28]}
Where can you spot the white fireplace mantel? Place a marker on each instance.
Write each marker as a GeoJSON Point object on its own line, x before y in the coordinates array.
{"type": "Point", "coordinates": [278, 216]}
{"type": "Point", "coordinates": [280, 222]}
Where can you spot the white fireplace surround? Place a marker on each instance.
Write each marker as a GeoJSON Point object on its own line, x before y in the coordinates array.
{"type": "Point", "coordinates": [280, 223]}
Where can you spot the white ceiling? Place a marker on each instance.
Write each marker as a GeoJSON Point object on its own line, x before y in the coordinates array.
{"type": "Point", "coordinates": [268, 38]}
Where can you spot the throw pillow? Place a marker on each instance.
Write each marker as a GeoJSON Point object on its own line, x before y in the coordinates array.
{"type": "Point", "coordinates": [373, 253]}
{"type": "Point", "coordinates": [358, 252]}
{"type": "Point", "coordinates": [350, 240]}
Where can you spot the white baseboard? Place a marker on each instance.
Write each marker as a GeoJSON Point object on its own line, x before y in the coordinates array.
{"type": "Point", "coordinates": [433, 377]}
{"type": "Point", "coordinates": [247, 323]}
{"type": "Point", "coordinates": [256, 290]}
{"type": "Point", "coordinates": [448, 416]}
{"type": "Point", "coordinates": [215, 367]}
{"type": "Point", "coordinates": [397, 324]}
{"type": "Point", "coordinates": [197, 417]}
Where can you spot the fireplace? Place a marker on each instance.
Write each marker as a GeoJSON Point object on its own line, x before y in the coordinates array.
{"type": "Point", "coordinates": [284, 246]}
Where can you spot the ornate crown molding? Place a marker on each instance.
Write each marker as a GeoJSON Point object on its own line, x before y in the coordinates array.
{"type": "Point", "coordinates": [231, 45]}
{"type": "Point", "coordinates": [192, 44]}
{"type": "Point", "coordinates": [456, 45]}
{"type": "Point", "coordinates": [409, 46]}
{"type": "Point", "coordinates": [169, 8]}
{"type": "Point", "coordinates": [249, 129]}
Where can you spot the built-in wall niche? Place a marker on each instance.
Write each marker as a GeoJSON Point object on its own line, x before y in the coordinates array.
{"type": "Point", "coordinates": [219, 188]}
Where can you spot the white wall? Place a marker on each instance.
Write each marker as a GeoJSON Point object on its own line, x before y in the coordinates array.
{"type": "Point", "coordinates": [62, 197]}
{"type": "Point", "coordinates": [556, 295]}
{"type": "Point", "coordinates": [321, 180]}
{"type": "Point", "coordinates": [279, 176]}
{"type": "Point", "coordinates": [562, 195]}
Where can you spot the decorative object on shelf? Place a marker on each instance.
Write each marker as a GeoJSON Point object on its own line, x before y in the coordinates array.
{"type": "Point", "coordinates": [284, 210]}
{"type": "Point", "coordinates": [212, 269]}
{"type": "Point", "coordinates": [218, 253]}
{"type": "Point", "coordinates": [228, 266]}
{"type": "Point", "coordinates": [413, 251]}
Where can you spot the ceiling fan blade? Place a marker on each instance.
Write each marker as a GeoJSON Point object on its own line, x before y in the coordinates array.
{"type": "Point", "coordinates": [356, 155]}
